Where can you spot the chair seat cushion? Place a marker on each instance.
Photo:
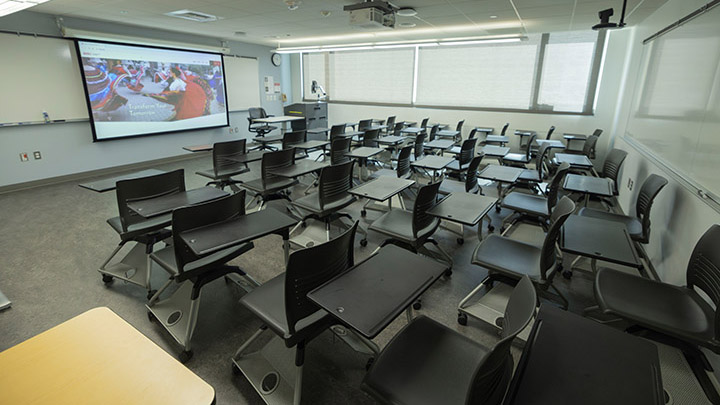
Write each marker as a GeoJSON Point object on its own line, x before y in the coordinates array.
{"type": "Point", "coordinates": [267, 302]}
{"type": "Point", "coordinates": [670, 309]}
{"type": "Point", "coordinates": [426, 363]}
{"type": "Point", "coordinates": [508, 256]}
{"type": "Point", "coordinates": [223, 174]}
{"type": "Point", "coordinates": [455, 166]}
{"type": "Point", "coordinates": [398, 224]}
{"type": "Point", "coordinates": [312, 203]}
{"type": "Point", "coordinates": [140, 228]}
{"type": "Point", "coordinates": [632, 224]}
{"type": "Point", "coordinates": [526, 204]}
{"type": "Point", "coordinates": [529, 176]}
{"type": "Point", "coordinates": [271, 186]}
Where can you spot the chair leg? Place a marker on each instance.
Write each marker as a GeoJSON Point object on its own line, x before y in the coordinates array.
{"type": "Point", "coordinates": [248, 342]}
{"type": "Point", "coordinates": [442, 251]}
{"type": "Point", "coordinates": [299, 361]}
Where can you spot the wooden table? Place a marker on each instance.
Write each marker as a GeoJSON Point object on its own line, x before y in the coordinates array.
{"type": "Point", "coordinates": [96, 358]}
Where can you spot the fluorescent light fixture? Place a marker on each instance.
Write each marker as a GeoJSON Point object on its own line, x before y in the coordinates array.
{"type": "Point", "coordinates": [13, 6]}
{"type": "Point", "coordinates": [400, 44]}
{"type": "Point", "coordinates": [481, 41]}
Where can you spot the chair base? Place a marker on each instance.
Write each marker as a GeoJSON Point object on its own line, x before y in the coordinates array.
{"type": "Point", "coordinates": [490, 307]}
{"type": "Point", "coordinates": [135, 267]}
{"type": "Point", "coordinates": [271, 371]}
{"type": "Point", "coordinates": [177, 314]}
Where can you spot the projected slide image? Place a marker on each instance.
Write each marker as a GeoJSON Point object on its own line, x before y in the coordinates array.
{"type": "Point", "coordinates": [138, 90]}
{"type": "Point", "coordinates": [132, 90]}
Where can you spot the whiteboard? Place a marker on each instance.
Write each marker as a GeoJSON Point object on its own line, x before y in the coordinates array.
{"type": "Point", "coordinates": [39, 74]}
{"type": "Point", "coordinates": [243, 83]}
{"type": "Point", "coordinates": [676, 104]}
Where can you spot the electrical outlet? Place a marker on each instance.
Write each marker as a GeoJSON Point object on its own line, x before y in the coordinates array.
{"type": "Point", "coordinates": [237, 131]}
{"type": "Point", "coordinates": [37, 155]}
{"type": "Point", "coordinates": [23, 157]}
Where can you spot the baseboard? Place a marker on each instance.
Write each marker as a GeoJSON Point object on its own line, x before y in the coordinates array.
{"type": "Point", "coordinates": [96, 173]}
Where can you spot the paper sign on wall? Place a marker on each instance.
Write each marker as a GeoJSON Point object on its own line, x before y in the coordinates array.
{"type": "Point", "coordinates": [269, 85]}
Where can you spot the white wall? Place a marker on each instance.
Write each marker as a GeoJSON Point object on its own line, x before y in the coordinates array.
{"type": "Point", "coordinates": [679, 217]}
{"type": "Point", "coordinates": [68, 148]}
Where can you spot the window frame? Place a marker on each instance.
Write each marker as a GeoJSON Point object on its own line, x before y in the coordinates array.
{"type": "Point", "coordinates": [588, 105]}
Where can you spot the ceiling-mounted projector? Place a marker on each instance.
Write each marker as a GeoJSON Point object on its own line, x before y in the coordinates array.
{"type": "Point", "coordinates": [372, 14]}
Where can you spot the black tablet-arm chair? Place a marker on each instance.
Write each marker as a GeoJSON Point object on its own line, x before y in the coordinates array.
{"type": "Point", "coordinates": [336, 131]}
{"type": "Point", "coordinates": [363, 125]}
{"type": "Point", "coordinates": [520, 159]}
{"type": "Point", "coordinates": [338, 150]}
{"type": "Point", "coordinates": [534, 207]}
{"type": "Point", "coordinates": [226, 164]}
{"type": "Point", "coordinates": [429, 363]}
{"type": "Point", "coordinates": [283, 307]}
{"type": "Point", "coordinates": [260, 129]}
{"type": "Point", "coordinates": [534, 148]}
{"type": "Point", "coordinates": [679, 312]}
{"type": "Point", "coordinates": [290, 139]}
{"type": "Point", "coordinates": [390, 124]}
{"type": "Point", "coordinates": [178, 313]}
{"type": "Point", "coordinates": [424, 122]}
{"type": "Point", "coordinates": [269, 186]}
{"type": "Point", "coordinates": [136, 266]}
{"type": "Point", "coordinates": [638, 226]}
{"type": "Point", "coordinates": [457, 167]}
{"type": "Point", "coordinates": [531, 178]}
{"type": "Point", "coordinates": [332, 196]}
{"type": "Point", "coordinates": [504, 128]}
{"type": "Point", "coordinates": [402, 168]}
{"type": "Point", "coordinates": [469, 185]}
{"type": "Point", "coordinates": [412, 230]}
{"type": "Point", "coordinates": [507, 258]}
{"type": "Point", "coordinates": [588, 148]}
{"type": "Point", "coordinates": [458, 148]}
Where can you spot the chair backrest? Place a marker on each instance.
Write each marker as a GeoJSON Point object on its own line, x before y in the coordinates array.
{"type": "Point", "coordinates": [403, 161]}
{"type": "Point", "coordinates": [554, 187]}
{"type": "Point", "coordinates": [611, 168]}
{"type": "Point", "coordinates": [311, 267]}
{"type": "Point", "coordinates": [550, 132]}
{"type": "Point", "coordinates": [293, 138]}
{"type": "Point", "coordinates": [540, 159]}
{"type": "Point", "coordinates": [364, 124]}
{"type": "Point", "coordinates": [467, 151]}
{"type": "Point", "coordinates": [473, 132]}
{"type": "Point", "coordinates": [504, 128]}
{"type": "Point", "coordinates": [492, 376]}
{"type": "Point", "coordinates": [559, 214]}
{"type": "Point", "coordinates": [225, 155]}
{"type": "Point", "coordinates": [422, 222]}
{"type": "Point", "coordinates": [370, 138]}
{"type": "Point", "coordinates": [459, 126]}
{"type": "Point", "coordinates": [256, 112]}
{"type": "Point", "coordinates": [472, 173]}
{"type": "Point", "coordinates": [433, 131]}
{"type": "Point", "coordinates": [598, 132]}
{"type": "Point", "coordinates": [589, 146]}
{"type": "Point", "coordinates": [390, 122]}
{"type": "Point", "coordinates": [195, 216]}
{"type": "Point", "coordinates": [424, 122]}
{"type": "Point", "coordinates": [336, 130]}
{"type": "Point", "coordinates": [528, 147]}
{"type": "Point", "coordinates": [397, 131]}
{"type": "Point", "coordinates": [275, 160]}
{"type": "Point", "coordinates": [419, 150]}
{"type": "Point", "coordinates": [143, 188]}
{"type": "Point", "coordinates": [649, 190]}
{"type": "Point", "coordinates": [703, 269]}
{"type": "Point", "coordinates": [335, 181]}
{"type": "Point", "coordinates": [338, 148]}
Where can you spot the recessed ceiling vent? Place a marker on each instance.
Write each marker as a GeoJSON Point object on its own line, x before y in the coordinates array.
{"type": "Point", "coordinates": [192, 15]}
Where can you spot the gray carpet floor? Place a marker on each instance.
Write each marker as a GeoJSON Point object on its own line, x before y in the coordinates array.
{"type": "Point", "coordinates": [55, 237]}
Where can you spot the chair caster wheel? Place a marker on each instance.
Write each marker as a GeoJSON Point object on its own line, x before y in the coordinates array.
{"type": "Point", "coordinates": [491, 229]}
{"type": "Point", "coordinates": [184, 356]}
{"type": "Point", "coordinates": [151, 293]}
{"type": "Point", "coordinates": [235, 369]}
{"type": "Point", "coordinates": [363, 242]}
{"type": "Point", "coordinates": [567, 274]}
{"type": "Point", "coordinates": [462, 319]}
{"type": "Point", "coordinates": [151, 316]}
{"type": "Point", "coordinates": [497, 208]}
{"type": "Point", "coordinates": [417, 305]}
{"type": "Point", "coordinates": [363, 213]}
{"type": "Point", "coordinates": [369, 363]}
{"type": "Point", "coordinates": [460, 241]}
{"type": "Point", "coordinates": [107, 279]}
{"type": "Point", "coordinates": [303, 224]}
{"type": "Point", "coordinates": [448, 273]}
